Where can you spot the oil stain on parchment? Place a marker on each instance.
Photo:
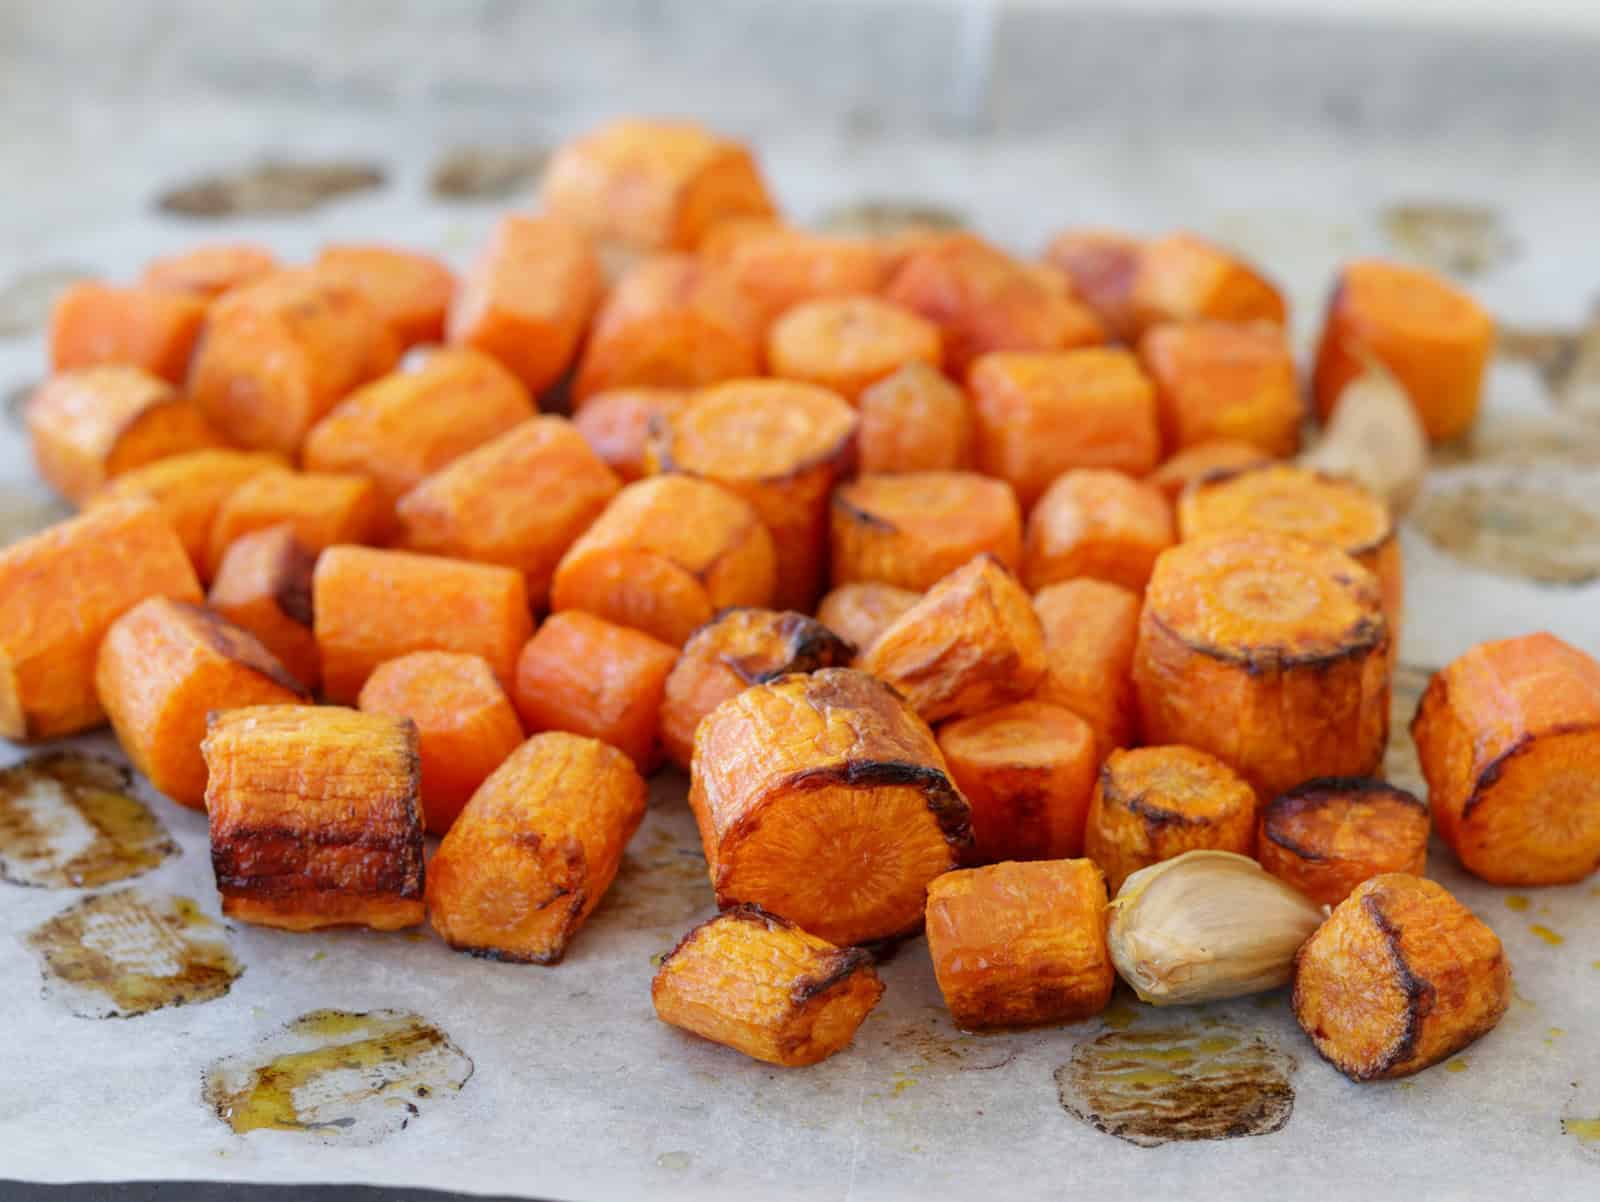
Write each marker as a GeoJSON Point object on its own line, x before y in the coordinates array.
{"type": "Point", "coordinates": [338, 1076]}
{"type": "Point", "coordinates": [26, 298]}
{"type": "Point", "coordinates": [1159, 1086]}
{"type": "Point", "coordinates": [1462, 239]}
{"type": "Point", "coordinates": [1567, 360]}
{"type": "Point", "coordinates": [270, 188]}
{"type": "Point", "coordinates": [1512, 529]}
{"type": "Point", "coordinates": [1401, 765]}
{"type": "Point", "coordinates": [884, 218]}
{"type": "Point", "coordinates": [127, 953]}
{"type": "Point", "coordinates": [487, 172]}
{"type": "Point", "coordinates": [67, 822]}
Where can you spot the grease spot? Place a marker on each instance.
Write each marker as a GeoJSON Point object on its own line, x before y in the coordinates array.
{"type": "Point", "coordinates": [676, 1161]}
{"type": "Point", "coordinates": [1543, 932]}
{"type": "Point", "coordinates": [1462, 239]}
{"type": "Point", "coordinates": [1510, 529]}
{"type": "Point", "coordinates": [270, 187]}
{"type": "Point", "coordinates": [1459, 1065]}
{"type": "Point", "coordinates": [487, 172]}
{"type": "Point", "coordinates": [1517, 903]}
{"type": "Point", "coordinates": [1567, 360]}
{"type": "Point", "coordinates": [1585, 1131]}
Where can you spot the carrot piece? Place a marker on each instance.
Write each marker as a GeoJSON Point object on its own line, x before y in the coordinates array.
{"type": "Point", "coordinates": [466, 726]}
{"type": "Point", "coordinates": [1224, 380]}
{"type": "Point", "coordinates": [586, 675]}
{"type": "Point", "coordinates": [1027, 770]}
{"type": "Point", "coordinates": [405, 426]}
{"type": "Point", "coordinates": [1328, 835]}
{"type": "Point", "coordinates": [315, 819]}
{"type": "Point", "coordinates": [209, 271]}
{"type": "Point", "coordinates": [1269, 652]}
{"type": "Point", "coordinates": [149, 328]}
{"type": "Point", "coordinates": [1219, 456]}
{"type": "Point", "coordinates": [60, 591]}
{"type": "Point", "coordinates": [1434, 338]}
{"type": "Point", "coordinates": [1090, 628]}
{"type": "Point", "coordinates": [520, 500]}
{"type": "Point", "coordinates": [1154, 803]}
{"type": "Point", "coordinates": [1096, 523]}
{"type": "Point", "coordinates": [616, 425]}
{"type": "Point", "coordinates": [823, 798]}
{"type": "Point", "coordinates": [1016, 945]}
{"type": "Point", "coordinates": [849, 343]}
{"type": "Point", "coordinates": [1101, 266]}
{"type": "Point", "coordinates": [654, 185]}
{"type": "Point", "coordinates": [1508, 737]}
{"type": "Point", "coordinates": [370, 606]}
{"type": "Point", "coordinates": [162, 667]}
{"type": "Point", "coordinates": [1401, 977]}
{"type": "Point", "coordinates": [1042, 414]}
{"type": "Point", "coordinates": [983, 300]}
{"type": "Point", "coordinates": [671, 322]}
{"type": "Point", "coordinates": [736, 649]}
{"type": "Point", "coordinates": [411, 291]}
{"type": "Point", "coordinates": [528, 297]}
{"type": "Point", "coordinates": [914, 420]}
{"type": "Point", "coordinates": [91, 425]}
{"type": "Point", "coordinates": [322, 508]}
{"type": "Point", "coordinates": [758, 984]}
{"type": "Point", "coordinates": [263, 585]}
{"type": "Point", "coordinates": [665, 555]}
{"type": "Point", "coordinates": [779, 267]}
{"type": "Point", "coordinates": [280, 353]}
{"type": "Point", "coordinates": [1183, 277]}
{"type": "Point", "coordinates": [970, 644]}
{"type": "Point", "coordinates": [781, 446]}
{"type": "Point", "coordinates": [913, 529]}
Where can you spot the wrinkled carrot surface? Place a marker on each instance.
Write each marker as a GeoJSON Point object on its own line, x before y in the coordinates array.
{"type": "Point", "coordinates": [322, 508]}
{"type": "Point", "coordinates": [1090, 629]}
{"type": "Point", "coordinates": [914, 420]}
{"type": "Point", "coordinates": [616, 425]}
{"type": "Point", "coordinates": [1328, 835]}
{"type": "Point", "coordinates": [263, 585]}
{"type": "Point", "coordinates": [913, 529]}
{"type": "Point", "coordinates": [860, 612]}
{"type": "Point", "coordinates": [1096, 523]}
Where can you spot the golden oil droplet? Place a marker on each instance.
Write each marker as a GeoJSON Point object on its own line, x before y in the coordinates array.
{"type": "Point", "coordinates": [1458, 1065]}
{"type": "Point", "coordinates": [1120, 1015]}
{"type": "Point", "coordinates": [1516, 902]}
{"type": "Point", "coordinates": [1549, 936]}
{"type": "Point", "coordinates": [1583, 1130]}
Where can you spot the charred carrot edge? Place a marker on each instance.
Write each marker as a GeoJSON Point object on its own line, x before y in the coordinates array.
{"type": "Point", "coordinates": [860, 612]}
{"type": "Point", "coordinates": [914, 420]}
{"type": "Point", "coordinates": [1199, 462]}
{"type": "Point", "coordinates": [322, 508]}
{"type": "Point", "coordinates": [1090, 629]}
{"type": "Point", "coordinates": [95, 325]}
{"type": "Point", "coordinates": [1328, 835]}
{"type": "Point", "coordinates": [1224, 380]}
{"type": "Point", "coordinates": [848, 344]}
{"type": "Point", "coordinates": [1096, 523]}
{"type": "Point", "coordinates": [1183, 277]}
{"type": "Point", "coordinates": [411, 291]}
{"type": "Point", "coordinates": [912, 529]}
{"type": "Point", "coordinates": [616, 425]}
{"type": "Point", "coordinates": [210, 270]}
{"type": "Point", "coordinates": [1101, 266]}
{"type": "Point", "coordinates": [263, 585]}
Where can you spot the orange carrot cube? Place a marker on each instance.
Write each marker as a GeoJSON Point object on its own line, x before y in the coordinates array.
{"type": "Point", "coordinates": [914, 420]}
{"type": "Point", "coordinates": [913, 529]}
{"type": "Point", "coordinates": [263, 585]}
{"type": "Point", "coordinates": [1217, 457]}
{"type": "Point", "coordinates": [1090, 630]}
{"type": "Point", "coordinates": [1098, 523]}
{"type": "Point", "coordinates": [411, 291]}
{"type": "Point", "coordinates": [1101, 266]}
{"type": "Point", "coordinates": [779, 267]}
{"type": "Point", "coordinates": [209, 271]}
{"type": "Point", "coordinates": [616, 424]}
{"type": "Point", "coordinates": [849, 343]}
{"type": "Point", "coordinates": [322, 508]}
{"type": "Point", "coordinates": [1224, 380]}
{"type": "Point", "coordinates": [150, 328]}
{"type": "Point", "coordinates": [1183, 277]}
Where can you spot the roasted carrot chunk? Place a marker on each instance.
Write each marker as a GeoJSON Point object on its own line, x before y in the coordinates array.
{"type": "Point", "coordinates": [1183, 277]}
{"type": "Point", "coordinates": [971, 643]}
{"type": "Point", "coordinates": [1154, 803]}
{"type": "Point", "coordinates": [1043, 414]}
{"type": "Point", "coordinates": [1017, 945]}
{"type": "Point", "coordinates": [466, 726]}
{"type": "Point", "coordinates": [822, 797]}
{"type": "Point", "coordinates": [1269, 652]}
{"type": "Point", "coordinates": [528, 298]}
{"type": "Point", "coordinates": [780, 445]}
{"type": "Point", "coordinates": [583, 674]}
{"type": "Point", "coordinates": [1328, 835]}
{"type": "Point", "coordinates": [60, 591]}
{"type": "Point", "coordinates": [315, 820]}
{"type": "Point", "coordinates": [666, 555]}
{"type": "Point", "coordinates": [1399, 978]}
{"type": "Point", "coordinates": [755, 983]}
{"type": "Point", "coordinates": [736, 649]}
{"type": "Point", "coordinates": [91, 425]}
{"type": "Point", "coordinates": [914, 420]}
{"type": "Point", "coordinates": [411, 291]}
{"type": "Point", "coordinates": [1027, 770]}
{"type": "Point", "coordinates": [616, 425]}
{"type": "Point", "coordinates": [859, 613]}
{"type": "Point", "coordinates": [779, 267]}
{"type": "Point", "coordinates": [1434, 338]}
{"type": "Point", "coordinates": [163, 666]}
{"type": "Point", "coordinates": [209, 271]}
{"type": "Point", "coordinates": [1098, 523]}
{"type": "Point", "coordinates": [1218, 457]}
{"type": "Point", "coordinates": [1224, 380]}
{"type": "Point", "coordinates": [371, 606]}
{"type": "Point", "coordinates": [322, 508]}
{"type": "Point", "coordinates": [263, 585]}
{"type": "Point", "coordinates": [849, 343]}
{"type": "Point", "coordinates": [1090, 628]}
{"type": "Point", "coordinates": [1509, 740]}
{"type": "Point", "coordinates": [149, 328]}
{"type": "Point", "coordinates": [913, 529]}
{"type": "Point", "coordinates": [1101, 266]}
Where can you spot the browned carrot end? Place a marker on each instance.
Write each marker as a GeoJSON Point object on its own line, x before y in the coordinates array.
{"type": "Point", "coordinates": [209, 270]}
{"type": "Point", "coordinates": [411, 291]}
{"type": "Point", "coordinates": [1101, 266]}
{"type": "Point", "coordinates": [1218, 456]}
{"type": "Point", "coordinates": [859, 613]}
{"type": "Point", "coordinates": [263, 585]}
{"type": "Point", "coordinates": [322, 508]}
{"type": "Point", "coordinates": [915, 419]}
{"type": "Point", "coordinates": [95, 325]}
{"type": "Point", "coordinates": [1224, 380]}
{"type": "Point", "coordinates": [779, 267]}
{"type": "Point", "coordinates": [616, 425]}
{"type": "Point", "coordinates": [849, 343]}
{"type": "Point", "coordinates": [912, 529]}
{"type": "Point", "coordinates": [1183, 277]}
{"type": "Point", "coordinates": [1097, 523]}
{"type": "Point", "coordinates": [1329, 835]}
{"type": "Point", "coordinates": [1090, 629]}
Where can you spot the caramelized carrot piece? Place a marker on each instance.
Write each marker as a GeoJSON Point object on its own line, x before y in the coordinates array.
{"type": "Point", "coordinates": [1328, 835]}
{"type": "Point", "coordinates": [1509, 740]}
{"type": "Point", "coordinates": [411, 291]}
{"type": "Point", "coordinates": [1101, 266]}
{"type": "Point", "coordinates": [859, 613]}
{"type": "Point", "coordinates": [209, 271]}
{"type": "Point", "coordinates": [1098, 523]}
{"type": "Point", "coordinates": [849, 343]}
{"type": "Point", "coordinates": [1183, 277]}
{"type": "Point", "coordinates": [1217, 457]}
{"type": "Point", "coordinates": [322, 508]}
{"type": "Point", "coordinates": [163, 666]}
{"type": "Point", "coordinates": [616, 424]}
{"type": "Point", "coordinates": [149, 328]}
{"type": "Point", "coordinates": [92, 425]}
{"type": "Point", "coordinates": [1090, 628]}
{"type": "Point", "coordinates": [914, 420]}
{"type": "Point", "coordinates": [913, 529]}
{"type": "Point", "coordinates": [263, 585]}
{"type": "Point", "coordinates": [1224, 380]}
{"type": "Point", "coordinates": [1269, 652]}
{"type": "Point", "coordinates": [779, 267]}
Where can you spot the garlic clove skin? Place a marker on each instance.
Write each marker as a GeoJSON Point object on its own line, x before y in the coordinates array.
{"type": "Point", "coordinates": [1376, 439]}
{"type": "Point", "coordinates": [1205, 926]}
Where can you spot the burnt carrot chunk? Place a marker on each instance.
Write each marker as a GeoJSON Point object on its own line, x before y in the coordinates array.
{"type": "Point", "coordinates": [736, 649]}
{"type": "Point", "coordinates": [1090, 629]}
{"type": "Point", "coordinates": [760, 985]}
{"type": "Point", "coordinates": [779, 267]}
{"type": "Point", "coordinates": [616, 425]}
{"type": "Point", "coordinates": [1328, 835]}
{"type": "Point", "coordinates": [583, 674]}
{"type": "Point", "coordinates": [1155, 803]}
{"type": "Point", "coordinates": [971, 643]}
{"type": "Point", "coordinates": [322, 508]}
{"type": "Point", "coordinates": [546, 831]}
{"type": "Point", "coordinates": [1043, 414]}
{"type": "Point", "coordinates": [149, 328]}
{"type": "Point", "coordinates": [1509, 740]}
{"type": "Point", "coordinates": [92, 425]}
{"type": "Point", "coordinates": [859, 613]}
{"type": "Point", "coordinates": [370, 606]}
{"type": "Point", "coordinates": [1219, 457]}
{"type": "Point", "coordinates": [209, 271]}
{"type": "Point", "coordinates": [466, 726]}
{"type": "Point", "coordinates": [1101, 266]}
{"type": "Point", "coordinates": [914, 420]}
{"type": "Point", "coordinates": [1183, 277]}
{"type": "Point", "coordinates": [315, 818]}
{"type": "Point", "coordinates": [1224, 380]}
{"type": "Point", "coordinates": [1019, 945]}
{"type": "Point", "coordinates": [915, 528]}
{"type": "Point", "coordinates": [60, 591]}
{"type": "Point", "coordinates": [1027, 770]}
{"type": "Point", "coordinates": [528, 298]}
{"type": "Point", "coordinates": [1434, 338]}
{"type": "Point", "coordinates": [162, 668]}
{"type": "Point", "coordinates": [849, 343]}
{"type": "Point", "coordinates": [1399, 978]}
{"type": "Point", "coordinates": [665, 555]}
{"type": "Point", "coordinates": [1097, 523]}
{"type": "Point", "coordinates": [263, 585]}
{"type": "Point", "coordinates": [411, 291]}
{"type": "Point", "coordinates": [823, 798]}
{"type": "Point", "coordinates": [1269, 652]}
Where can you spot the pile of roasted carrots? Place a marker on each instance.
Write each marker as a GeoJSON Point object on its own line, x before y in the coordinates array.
{"type": "Point", "coordinates": [1077, 611]}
